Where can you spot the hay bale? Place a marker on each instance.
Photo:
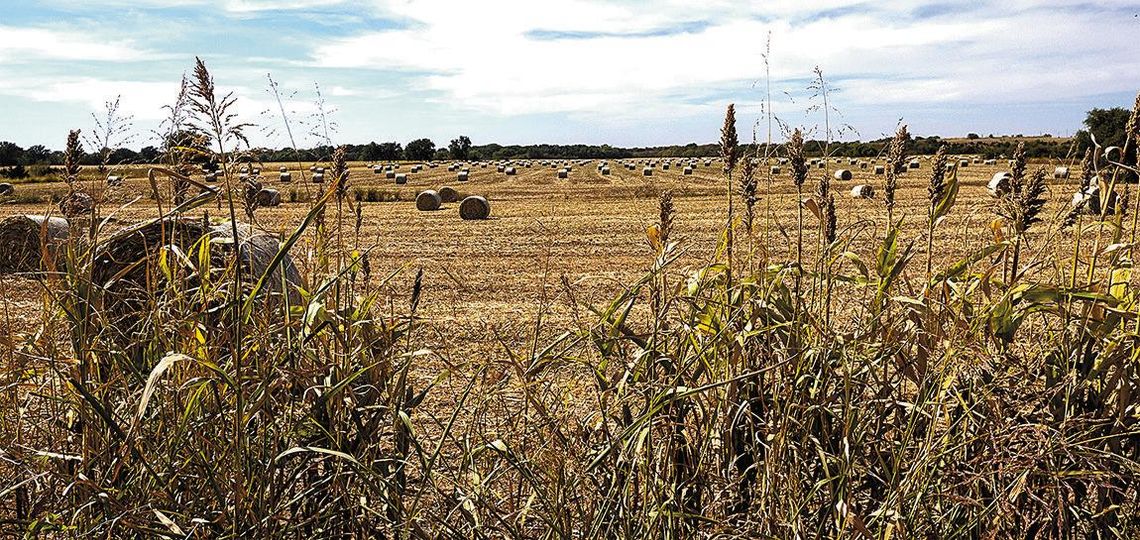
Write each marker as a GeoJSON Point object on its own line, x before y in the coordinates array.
{"type": "Point", "coordinates": [563, 173]}
{"type": "Point", "coordinates": [1089, 200]}
{"type": "Point", "coordinates": [286, 177]}
{"type": "Point", "coordinates": [863, 191]}
{"type": "Point", "coordinates": [401, 179]}
{"type": "Point", "coordinates": [1061, 172]}
{"type": "Point", "coordinates": [462, 176]}
{"type": "Point", "coordinates": [880, 170]}
{"type": "Point", "coordinates": [500, 168]}
{"type": "Point", "coordinates": [76, 204]}
{"type": "Point", "coordinates": [428, 201]}
{"type": "Point", "coordinates": [114, 181]}
{"type": "Point", "coordinates": [687, 171]}
{"type": "Point", "coordinates": [862, 164]}
{"type": "Point", "coordinates": [126, 268]}
{"type": "Point", "coordinates": [648, 171]}
{"type": "Point", "coordinates": [914, 164]}
{"type": "Point", "coordinates": [28, 241]}
{"type": "Point", "coordinates": [510, 171]}
{"type": "Point", "coordinates": [6, 190]}
{"type": "Point", "coordinates": [999, 184]}
{"type": "Point", "coordinates": [377, 170]}
{"type": "Point", "coordinates": [843, 174]}
{"type": "Point", "coordinates": [390, 174]}
{"type": "Point", "coordinates": [822, 164]}
{"type": "Point", "coordinates": [1113, 153]}
{"type": "Point", "coordinates": [282, 169]}
{"type": "Point", "coordinates": [319, 178]}
{"type": "Point", "coordinates": [990, 162]}
{"type": "Point", "coordinates": [474, 207]}
{"type": "Point", "coordinates": [775, 169]}
{"type": "Point", "coordinates": [268, 197]}
{"type": "Point", "coordinates": [448, 194]}
{"type": "Point", "coordinates": [963, 163]}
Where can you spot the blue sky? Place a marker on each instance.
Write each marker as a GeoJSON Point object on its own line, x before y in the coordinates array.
{"type": "Point", "coordinates": [628, 73]}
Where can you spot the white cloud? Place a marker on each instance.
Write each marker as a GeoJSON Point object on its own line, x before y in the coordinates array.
{"type": "Point", "coordinates": [19, 45]}
{"type": "Point", "coordinates": [607, 57]}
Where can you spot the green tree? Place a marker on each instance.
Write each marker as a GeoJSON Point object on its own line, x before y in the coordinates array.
{"type": "Point", "coordinates": [460, 148]}
{"type": "Point", "coordinates": [419, 149]}
{"type": "Point", "coordinates": [10, 154]}
{"type": "Point", "coordinates": [1105, 125]}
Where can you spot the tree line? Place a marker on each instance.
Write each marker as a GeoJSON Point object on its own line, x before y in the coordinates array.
{"type": "Point", "coordinates": [1104, 126]}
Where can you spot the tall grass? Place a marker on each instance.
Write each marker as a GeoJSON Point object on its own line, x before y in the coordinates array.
{"type": "Point", "coordinates": [946, 401]}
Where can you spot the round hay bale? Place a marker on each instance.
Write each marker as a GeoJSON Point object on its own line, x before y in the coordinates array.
{"type": "Point", "coordinates": [1089, 200]}
{"type": "Point", "coordinates": [879, 169]}
{"type": "Point", "coordinates": [401, 178]}
{"type": "Point", "coordinates": [428, 201]}
{"type": "Point", "coordinates": [286, 177]}
{"type": "Point", "coordinates": [648, 171]}
{"type": "Point", "coordinates": [914, 164]}
{"type": "Point", "coordinates": [843, 174]}
{"type": "Point", "coordinates": [114, 181]}
{"type": "Point", "coordinates": [999, 184]}
{"type": "Point", "coordinates": [318, 178]}
{"type": "Point", "coordinates": [863, 191]}
{"type": "Point", "coordinates": [462, 176]}
{"type": "Point", "coordinates": [448, 194]}
{"type": "Point", "coordinates": [822, 164]}
{"type": "Point", "coordinates": [6, 190]}
{"type": "Point", "coordinates": [268, 197]}
{"type": "Point", "coordinates": [1113, 153]}
{"type": "Point", "coordinates": [1061, 172]}
{"type": "Point", "coordinates": [377, 170]}
{"type": "Point", "coordinates": [389, 174]}
{"type": "Point", "coordinates": [474, 207]}
{"type": "Point", "coordinates": [510, 171]}
{"type": "Point", "coordinates": [687, 171]}
{"type": "Point", "coordinates": [126, 268]}
{"type": "Point", "coordinates": [963, 163]}
{"type": "Point", "coordinates": [775, 169]}
{"type": "Point", "coordinates": [563, 173]}
{"type": "Point", "coordinates": [28, 241]}
{"type": "Point", "coordinates": [282, 169]}
{"type": "Point", "coordinates": [76, 204]}
{"type": "Point", "coordinates": [605, 171]}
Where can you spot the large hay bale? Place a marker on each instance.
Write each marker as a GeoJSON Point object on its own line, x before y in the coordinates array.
{"type": "Point", "coordinates": [510, 171]}
{"type": "Point", "coordinates": [126, 269]}
{"type": "Point", "coordinates": [563, 173]}
{"type": "Point", "coordinates": [843, 174]}
{"type": "Point", "coordinates": [268, 197]}
{"type": "Point", "coordinates": [428, 200]}
{"type": "Point", "coordinates": [462, 176]}
{"type": "Point", "coordinates": [401, 178]}
{"type": "Point", "coordinates": [76, 204]}
{"type": "Point", "coordinates": [286, 177]}
{"type": "Point", "coordinates": [6, 190]}
{"type": "Point", "coordinates": [1089, 200]}
{"type": "Point", "coordinates": [448, 194]}
{"type": "Point", "coordinates": [687, 171]}
{"type": "Point", "coordinates": [28, 241]}
{"type": "Point", "coordinates": [999, 184]}
{"type": "Point", "coordinates": [1061, 172]}
{"type": "Point", "coordinates": [863, 191]}
{"type": "Point", "coordinates": [474, 207]}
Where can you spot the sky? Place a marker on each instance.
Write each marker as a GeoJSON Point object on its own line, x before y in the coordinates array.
{"type": "Point", "coordinates": [625, 73]}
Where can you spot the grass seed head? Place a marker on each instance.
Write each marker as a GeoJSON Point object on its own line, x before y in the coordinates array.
{"type": "Point", "coordinates": [728, 139]}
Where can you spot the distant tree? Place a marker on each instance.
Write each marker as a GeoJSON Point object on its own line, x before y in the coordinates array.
{"type": "Point", "coordinates": [36, 155]}
{"type": "Point", "coordinates": [460, 148]}
{"type": "Point", "coordinates": [370, 152]}
{"type": "Point", "coordinates": [973, 136]}
{"type": "Point", "coordinates": [149, 154]}
{"type": "Point", "coordinates": [10, 154]}
{"type": "Point", "coordinates": [15, 172]}
{"type": "Point", "coordinates": [419, 149]}
{"type": "Point", "coordinates": [390, 151]}
{"type": "Point", "coordinates": [442, 154]}
{"type": "Point", "coordinates": [122, 156]}
{"type": "Point", "coordinates": [1105, 125]}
